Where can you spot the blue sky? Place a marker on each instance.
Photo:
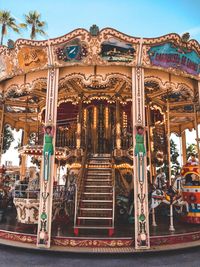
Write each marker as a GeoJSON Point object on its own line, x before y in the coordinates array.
{"type": "Point", "coordinates": [144, 18]}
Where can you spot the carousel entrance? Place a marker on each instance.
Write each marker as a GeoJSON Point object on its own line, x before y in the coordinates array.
{"type": "Point", "coordinates": [100, 128]}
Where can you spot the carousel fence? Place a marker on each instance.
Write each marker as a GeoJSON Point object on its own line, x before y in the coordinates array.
{"type": "Point", "coordinates": [79, 186]}
{"type": "Point", "coordinates": [22, 191]}
{"type": "Point", "coordinates": [63, 138]}
{"type": "Point", "coordinates": [113, 184]}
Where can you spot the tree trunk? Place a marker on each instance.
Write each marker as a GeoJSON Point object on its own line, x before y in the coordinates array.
{"type": "Point", "coordinates": [3, 29]}
{"type": "Point", "coordinates": [1, 39]}
{"type": "Point", "coordinates": [33, 32]}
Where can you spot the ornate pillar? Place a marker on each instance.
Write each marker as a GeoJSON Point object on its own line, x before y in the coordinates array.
{"type": "Point", "coordinates": [106, 122]}
{"type": "Point", "coordinates": [2, 111]}
{"type": "Point", "coordinates": [171, 223]}
{"type": "Point", "coordinates": [183, 148]}
{"type": "Point", "coordinates": [24, 157]}
{"type": "Point", "coordinates": [79, 130]}
{"type": "Point", "coordinates": [118, 126]}
{"type": "Point", "coordinates": [140, 161]}
{"type": "Point", "coordinates": [197, 131]}
{"type": "Point", "coordinates": [46, 182]}
{"type": "Point", "coordinates": [95, 129]}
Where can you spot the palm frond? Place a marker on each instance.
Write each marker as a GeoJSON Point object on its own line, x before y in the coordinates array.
{"type": "Point", "coordinates": [41, 32]}
{"type": "Point", "coordinates": [23, 25]}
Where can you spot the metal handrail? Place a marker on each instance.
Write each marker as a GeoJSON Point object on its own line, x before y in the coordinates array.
{"type": "Point", "coordinates": [79, 186]}
{"type": "Point", "coordinates": [113, 184]}
{"type": "Point", "coordinates": [20, 192]}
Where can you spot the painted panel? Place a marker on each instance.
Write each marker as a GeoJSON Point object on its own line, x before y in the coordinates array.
{"type": "Point", "coordinates": [6, 66]}
{"type": "Point", "coordinates": [114, 50]}
{"type": "Point", "coordinates": [168, 55]}
{"type": "Point", "coordinates": [74, 50]}
{"type": "Point", "coordinates": [31, 58]}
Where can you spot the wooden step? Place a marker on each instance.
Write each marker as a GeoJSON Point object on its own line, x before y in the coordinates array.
{"type": "Point", "coordinates": [96, 193]}
{"type": "Point", "coordinates": [100, 175]}
{"type": "Point", "coordinates": [97, 200]}
{"type": "Point", "coordinates": [94, 209]}
{"type": "Point", "coordinates": [94, 205]}
{"type": "Point", "coordinates": [99, 186]}
{"type": "Point", "coordinates": [94, 218]}
{"type": "Point", "coordinates": [94, 227]}
{"type": "Point", "coordinates": [98, 180]}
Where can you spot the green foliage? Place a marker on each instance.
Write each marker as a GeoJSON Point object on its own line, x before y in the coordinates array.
{"type": "Point", "coordinates": [7, 22]}
{"type": "Point", "coordinates": [175, 165]}
{"type": "Point", "coordinates": [191, 149]}
{"type": "Point", "coordinates": [7, 138]}
{"type": "Point", "coordinates": [33, 19]}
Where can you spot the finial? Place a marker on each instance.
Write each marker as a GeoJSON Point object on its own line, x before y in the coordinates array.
{"type": "Point", "coordinates": [94, 30]}
{"type": "Point", "coordinates": [185, 37]}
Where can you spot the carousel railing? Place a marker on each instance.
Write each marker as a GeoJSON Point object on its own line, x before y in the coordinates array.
{"type": "Point", "coordinates": [22, 191]}
{"type": "Point", "coordinates": [62, 139]}
{"type": "Point", "coordinates": [79, 186]}
{"type": "Point", "coordinates": [113, 185]}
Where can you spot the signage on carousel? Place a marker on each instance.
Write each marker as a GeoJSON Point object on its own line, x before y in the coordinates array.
{"type": "Point", "coordinates": [169, 56]}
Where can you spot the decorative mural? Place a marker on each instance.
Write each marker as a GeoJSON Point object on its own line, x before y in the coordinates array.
{"type": "Point", "coordinates": [174, 97]}
{"type": "Point", "coordinates": [168, 55]}
{"type": "Point", "coordinates": [114, 50]}
{"type": "Point", "coordinates": [5, 66]}
{"type": "Point", "coordinates": [29, 58]}
{"type": "Point", "coordinates": [74, 50]}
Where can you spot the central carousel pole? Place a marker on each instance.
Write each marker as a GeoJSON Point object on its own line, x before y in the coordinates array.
{"type": "Point", "coordinates": [46, 182]}
{"type": "Point", "coordinates": [142, 240]}
{"type": "Point", "coordinates": [118, 126]}
{"type": "Point", "coordinates": [197, 131]}
{"type": "Point", "coordinates": [171, 224]}
{"type": "Point", "coordinates": [149, 156]}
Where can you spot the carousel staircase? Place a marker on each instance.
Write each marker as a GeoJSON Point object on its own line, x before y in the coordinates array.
{"type": "Point", "coordinates": [95, 210]}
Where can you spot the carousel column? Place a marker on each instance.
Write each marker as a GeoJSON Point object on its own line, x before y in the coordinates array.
{"type": "Point", "coordinates": [151, 167]}
{"type": "Point", "coordinates": [46, 182]}
{"type": "Point", "coordinates": [142, 240]}
{"type": "Point", "coordinates": [118, 126]}
{"type": "Point", "coordinates": [79, 130]}
{"type": "Point", "coordinates": [95, 138]}
{"type": "Point", "coordinates": [2, 111]}
{"type": "Point", "coordinates": [197, 132]}
{"type": "Point", "coordinates": [171, 223]}
{"type": "Point", "coordinates": [183, 148]}
{"type": "Point", "coordinates": [24, 156]}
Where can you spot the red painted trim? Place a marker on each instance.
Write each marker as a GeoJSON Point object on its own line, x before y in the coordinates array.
{"type": "Point", "coordinates": [102, 242]}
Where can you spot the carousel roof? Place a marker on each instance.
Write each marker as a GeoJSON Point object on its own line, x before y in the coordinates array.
{"type": "Point", "coordinates": [96, 65]}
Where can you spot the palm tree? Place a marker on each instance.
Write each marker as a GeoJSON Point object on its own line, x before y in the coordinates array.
{"type": "Point", "coordinates": [32, 19]}
{"type": "Point", "coordinates": [7, 21]}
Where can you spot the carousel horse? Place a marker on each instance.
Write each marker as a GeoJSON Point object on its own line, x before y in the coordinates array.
{"type": "Point", "coordinates": [168, 195]}
{"type": "Point", "coordinates": [125, 207]}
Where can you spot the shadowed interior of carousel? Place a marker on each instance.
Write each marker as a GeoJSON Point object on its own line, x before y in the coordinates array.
{"type": "Point", "coordinates": [63, 227]}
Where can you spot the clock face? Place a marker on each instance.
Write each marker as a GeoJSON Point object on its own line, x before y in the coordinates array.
{"type": "Point", "coordinates": [72, 51]}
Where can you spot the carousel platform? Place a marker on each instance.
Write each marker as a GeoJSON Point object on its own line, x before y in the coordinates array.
{"type": "Point", "coordinates": [15, 234]}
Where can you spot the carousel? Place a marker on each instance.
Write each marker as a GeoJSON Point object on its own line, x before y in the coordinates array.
{"type": "Point", "coordinates": [96, 110]}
